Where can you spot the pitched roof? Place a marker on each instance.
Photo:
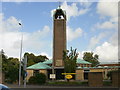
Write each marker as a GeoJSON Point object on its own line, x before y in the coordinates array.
{"type": "Point", "coordinates": [39, 66]}
{"type": "Point", "coordinates": [48, 61]}
{"type": "Point", "coordinates": [79, 61]}
{"type": "Point", "coordinates": [99, 67]}
{"type": "Point", "coordinates": [101, 63]}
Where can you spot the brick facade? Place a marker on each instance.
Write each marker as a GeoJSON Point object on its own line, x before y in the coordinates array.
{"type": "Point", "coordinates": [116, 79]}
{"type": "Point", "coordinates": [95, 79]}
{"type": "Point", "coordinates": [59, 41]}
{"type": "Point", "coordinates": [79, 74]}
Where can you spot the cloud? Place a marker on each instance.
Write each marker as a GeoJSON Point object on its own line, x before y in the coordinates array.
{"type": "Point", "coordinates": [114, 39]}
{"type": "Point", "coordinates": [9, 25]}
{"type": "Point", "coordinates": [107, 25]}
{"type": "Point", "coordinates": [7, 42]}
{"type": "Point", "coordinates": [17, 1]}
{"type": "Point", "coordinates": [96, 40]}
{"type": "Point", "coordinates": [73, 10]}
{"type": "Point", "coordinates": [80, 55]}
{"type": "Point", "coordinates": [73, 34]}
{"type": "Point", "coordinates": [107, 8]}
{"type": "Point", "coordinates": [37, 40]}
{"type": "Point", "coordinates": [85, 3]}
{"type": "Point", "coordinates": [108, 12]}
{"type": "Point", "coordinates": [107, 52]}
{"type": "Point", "coordinates": [10, 37]}
{"type": "Point", "coordinates": [83, 11]}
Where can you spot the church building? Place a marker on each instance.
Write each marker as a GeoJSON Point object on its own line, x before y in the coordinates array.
{"type": "Point", "coordinates": [56, 64]}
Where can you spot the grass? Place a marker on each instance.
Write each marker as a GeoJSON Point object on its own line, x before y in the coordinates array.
{"type": "Point", "coordinates": [107, 83]}
{"type": "Point", "coordinates": [67, 83]}
{"type": "Point", "coordinates": [73, 83]}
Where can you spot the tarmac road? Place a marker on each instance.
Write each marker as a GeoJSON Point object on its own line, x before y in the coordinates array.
{"type": "Point", "coordinates": [39, 87]}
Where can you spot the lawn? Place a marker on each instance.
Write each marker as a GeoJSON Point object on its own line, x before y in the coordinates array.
{"type": "Point", "coordinates": [68, 83]}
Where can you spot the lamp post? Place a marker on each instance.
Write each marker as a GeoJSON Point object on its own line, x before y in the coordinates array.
{"type": "Point", "coordinates": [20, 57]}
{"type": "Point", "coordinates": [1, 66]}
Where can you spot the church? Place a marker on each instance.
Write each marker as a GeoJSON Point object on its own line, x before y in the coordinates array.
{"type": "Point", "coordinates": [56, 65]}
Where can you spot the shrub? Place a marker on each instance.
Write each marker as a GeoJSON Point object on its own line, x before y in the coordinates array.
{"type": "Point", "coordinates": [39, 78]}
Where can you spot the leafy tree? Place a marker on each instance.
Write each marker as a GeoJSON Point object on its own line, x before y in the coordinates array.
{"type": "Point", "coordinates": [10, 68]}
{"type": "Point", "coordinates": [70, 59]}
{"type": "Point", "coordinates": [88, 56]}
{"type": "Point", "coordinates": [32, 59]}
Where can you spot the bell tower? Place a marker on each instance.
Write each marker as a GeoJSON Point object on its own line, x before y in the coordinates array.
{"type": "Point", "coordinates": [59, 38]}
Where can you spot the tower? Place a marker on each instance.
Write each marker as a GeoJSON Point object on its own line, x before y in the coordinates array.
{"type": "Point", "coordinates": [59, 38]}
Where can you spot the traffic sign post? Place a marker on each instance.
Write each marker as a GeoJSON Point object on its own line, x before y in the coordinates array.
{"type": "Point", "coordinates": [25, 66]}
{"type": "Point", "coordinates": [52, 76]}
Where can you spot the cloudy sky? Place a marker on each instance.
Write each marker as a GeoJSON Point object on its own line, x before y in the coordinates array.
{"type": "Point", "coordinates": [91, 26]}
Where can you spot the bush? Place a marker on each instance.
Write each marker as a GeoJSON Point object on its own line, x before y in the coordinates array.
{"type": "Point", "coordinates": [39, 78]}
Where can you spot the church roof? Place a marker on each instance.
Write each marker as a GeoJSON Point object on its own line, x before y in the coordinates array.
{"type": "Point", "coordinates": [48, 61]}
{"type": "Point", "coordinates": [79, 61]}
{"type": "Point", "coordinates": [44, 65]}
{"type": "Point", "coordinates": [102, 63]}
{"type": "Point", "coordinates": [39, 66]}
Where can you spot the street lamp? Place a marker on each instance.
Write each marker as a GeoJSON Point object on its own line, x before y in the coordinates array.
{"type": "Point", "coordinates": [20, 57]}
{"type": "Point", "coordinates": [1, 66]}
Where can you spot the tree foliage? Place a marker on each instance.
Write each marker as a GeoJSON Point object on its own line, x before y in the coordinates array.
{"type": "Point", "coordinates": [32, 59]}
{"type": "Point", "coordinates": [70, 59]}
{"type": "Point", "coordinates": [10, 68]}
{"type": "Point", "coordinates": [90, 57]}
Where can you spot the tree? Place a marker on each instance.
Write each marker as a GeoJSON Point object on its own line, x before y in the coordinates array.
{"type": "Point", "coordinates": [10, 68]}
{"type": "Point", "coordinates": [32, 59]}
{"type": "Point", "coordinates": [90, 57]}
{"type": "Point", "coordinates": [70, 59]}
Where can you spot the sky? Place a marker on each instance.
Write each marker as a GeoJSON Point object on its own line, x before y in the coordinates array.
{"type": "Point", "coordinates": [91, 27]}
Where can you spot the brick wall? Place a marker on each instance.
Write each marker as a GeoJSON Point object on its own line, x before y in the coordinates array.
{"type": "Point", "coordinates": [59, 41]}
{"type": "Point", "coordinates": [116, 79]}
{"type": "Point", "coordinates": [95, 79]}
{"type": "Point", "coordinates": [79, 74]}
{"type": "Point", "coordinates": [44, 71]}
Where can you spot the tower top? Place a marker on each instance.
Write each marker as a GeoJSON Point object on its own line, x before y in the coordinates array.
{"type": "Point", "coordinates": [59, 13]}
{"type": "Point", "coordinates": [59, 5]}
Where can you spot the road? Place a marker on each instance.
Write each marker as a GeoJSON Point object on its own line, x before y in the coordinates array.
{"type": "Point", "coordinates": [39, 87]}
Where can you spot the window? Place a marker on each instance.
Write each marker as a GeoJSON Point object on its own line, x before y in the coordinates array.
{"type": "Point", "coordinates": [87, 70]}
{"type": "Point", "coordinates": [36, 72]}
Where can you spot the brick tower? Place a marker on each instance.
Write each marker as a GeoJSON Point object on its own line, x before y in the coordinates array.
{"type": "Point", "coordinates": [59, 38]}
